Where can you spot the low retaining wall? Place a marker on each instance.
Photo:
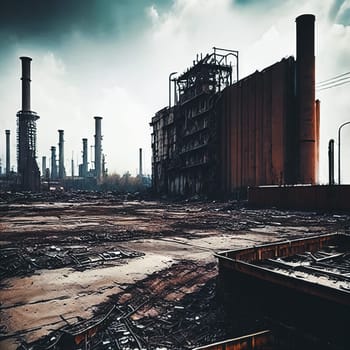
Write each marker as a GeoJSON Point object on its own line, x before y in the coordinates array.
{"type": "Point", "coordinates": [301, 197]}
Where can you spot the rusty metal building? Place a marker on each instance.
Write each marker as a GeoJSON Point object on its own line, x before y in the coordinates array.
{"type": "Point", "coordinates": [185, 137]}
{"type": "Point", "coordinates": [224, 134]}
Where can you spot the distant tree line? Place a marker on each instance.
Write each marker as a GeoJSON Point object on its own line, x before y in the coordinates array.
{"type": "Point", "coordinates": [126, 183]}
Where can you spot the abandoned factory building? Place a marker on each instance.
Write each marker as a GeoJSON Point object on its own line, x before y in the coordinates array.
{"type": "Point", "coordinates": [223, 134]}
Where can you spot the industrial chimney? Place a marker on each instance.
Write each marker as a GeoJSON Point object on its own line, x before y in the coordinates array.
{"type": "Point", "coordinates": [26, 135]}
{"type": "Point", "coordinates": [53, 163]}
{"type": "Point", "coordinates": [305, 91]}
{"type": "Point", "coordinates": [8, 162]}
{"type": "Point", "coordinates": [61, 170]}
{"type": "Point", "coordinates": [43, 166]}
{"type": "Point", "coordinates": [25, 83]}
{"type": "Point", "coordinates": [140, 161]}
{"type": "Point", "coordinates": [85, 158]}
{"type": "Point", "coordinates": [98, 148]}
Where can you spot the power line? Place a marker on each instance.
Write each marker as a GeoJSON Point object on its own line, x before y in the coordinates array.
{"type": "Point", "coordinates": [330, 79]}
{"type": "Point", "coordinates": [332, 86]}
{"type": "Point", "coordinates": [333, 82]}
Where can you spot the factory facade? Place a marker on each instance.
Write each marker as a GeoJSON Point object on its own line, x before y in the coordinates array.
{"type": "Point", "coordinates": [224, 134]}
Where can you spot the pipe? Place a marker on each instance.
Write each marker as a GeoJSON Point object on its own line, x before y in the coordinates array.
{"type": "Point", "coordinates": [8, 165]}
{"type": "Point", "coordinates": [140, 161]}
{"type": "Point", "coordinates": [305, 91]}
{"type": "Point", "coordinates": [98, 147]}
{"type": "Point", "coordinates": [53, 163]}
{"type": "Point", "coordinates": [175, 93]}
{"type": "Point", "coordinates": [331, 161]}
{"type": "Point", "coordinates": [170, 75]}
{"type": "Point", "coordinates": [61, 170]}
{"type": "Point", "coordinates": [25, 83]}
{"type": "Point", "coordinates": [339, 130]}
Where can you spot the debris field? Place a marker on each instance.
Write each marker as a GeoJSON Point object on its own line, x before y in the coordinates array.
{"type": "Point", "coordinates": [127, 273]}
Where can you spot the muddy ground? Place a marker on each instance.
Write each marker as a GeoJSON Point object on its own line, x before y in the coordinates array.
{"type": "Point", "coordinates": [74, 257]}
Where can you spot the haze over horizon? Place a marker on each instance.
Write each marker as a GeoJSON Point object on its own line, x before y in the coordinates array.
{"type": "Point", "coordinates": [113, 58]}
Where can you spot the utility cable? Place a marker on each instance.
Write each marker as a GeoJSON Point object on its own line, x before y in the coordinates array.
{"type": "Point", "coordinates": [333, 82]}
{"type": "Point", "coordinates": [332, 86]}
{"type": "Point", "coordinates": [334, 78]}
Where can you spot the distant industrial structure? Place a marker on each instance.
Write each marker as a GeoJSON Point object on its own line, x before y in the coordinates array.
{"type": "Point", "coordinates": [83, 168]}
{"type": "Point", "coordinates": [53, 163]}
{"type": "Point", "coordinates": [61, 168]}
{"type": "Point", "coordinates": [98, 148]}
{"type": "Point", "coordinates": [43, 166]}
{"type": "Point", "coordinates": [8, 157]}
{"type": "Point", "coordinates": [140, 162]}
{"type": "Point", "coordinates": [27, 167]}
{"type": "Point", "coordinates": [87, 178]}
{"type": "Point", "coordinates": [28, 177]}
{"type": "Point", "coordinates": [224, 134]}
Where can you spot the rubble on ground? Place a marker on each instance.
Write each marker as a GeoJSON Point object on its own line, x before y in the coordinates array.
{"type": "Point", "coordinates": [73, 258]}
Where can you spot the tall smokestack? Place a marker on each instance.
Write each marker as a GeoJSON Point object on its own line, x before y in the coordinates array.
{"type": "Point", "coordinates": [25, 83]}
{"type": "Point", "coordinates": [8, 162]}
{"type": "Point", "coordinates": [98, 147]}
{"type": "Point", "coordinates": [61, 170]}
{"type": "Point", "coordinates": [53, 163]}
{"type": "Point", "coordinates": [43, 166]}
{"type": "Point", "coordinates": [140, 161]}
{"type": "Point", "coordinates": [27, 166]}
{"type": "Point", "coordinates": [85, 158]}
{"type": "Point", "coordinates": [305, 90]}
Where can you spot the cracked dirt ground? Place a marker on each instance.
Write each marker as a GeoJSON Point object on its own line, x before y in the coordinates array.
{"type": "Point", "coordinates": [63, 260]}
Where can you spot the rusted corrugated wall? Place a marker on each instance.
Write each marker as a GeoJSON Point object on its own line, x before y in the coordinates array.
{"type": "Point", "coordinates": [258, 143]}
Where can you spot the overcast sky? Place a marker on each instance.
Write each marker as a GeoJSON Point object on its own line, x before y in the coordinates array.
{"type": "Point", "coordinates": [112, 58]}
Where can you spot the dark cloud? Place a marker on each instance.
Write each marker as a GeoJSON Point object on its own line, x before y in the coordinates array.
{"type": "Point", "coordinates": [334, 9]}
{"type": "Point", "coordinates": [51, 20]}
{"type": "Point", "coordinates": [258, 3]}
{"type": "Point", "coordinates": [344, 17]}
{"type": "Point", "coordinates": [337, 15]}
